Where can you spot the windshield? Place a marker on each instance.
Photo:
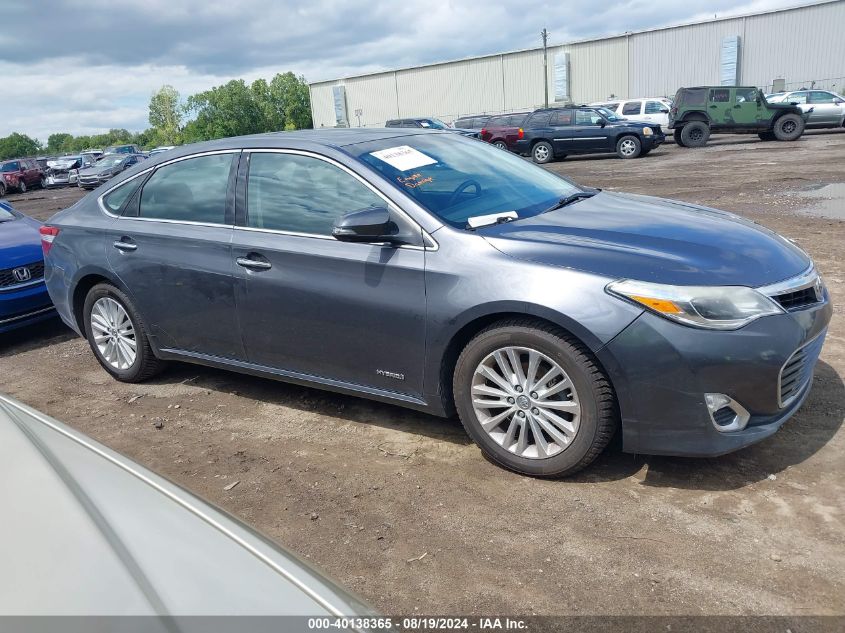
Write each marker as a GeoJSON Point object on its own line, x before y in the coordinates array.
{"type": "Point", "coordinates": [110, 161]}
{"type": "Point", "coordinates": [10, 167]}
{"type": "Point", "coordinates": [6, 214]}
{"type": "Point", "coordinates": [457, 178]}
{"type": "Point", "coordinates": [608, 114]}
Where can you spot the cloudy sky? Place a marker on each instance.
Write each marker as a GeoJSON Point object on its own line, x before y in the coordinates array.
{"type": "Point", "coordinates": [84, 66]}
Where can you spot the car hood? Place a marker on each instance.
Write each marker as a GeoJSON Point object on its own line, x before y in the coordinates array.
{"type": "Point", "coordinates": [94, 171]}
{"type": "Point", "coordinates": [20, 242]}
{"type": "Point", "coordinates": [652, 239]}
{"type": "Point", "coordinates": [93, 533]}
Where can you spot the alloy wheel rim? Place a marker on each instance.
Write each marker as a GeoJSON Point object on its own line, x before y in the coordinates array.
{"type": "Point", "coordinates": [788, 127]}
{"type": "Point", "coordinates": [696, 135]}
{"type": "Point", "coordinates": [541, 153]}
{"type": "Point", "coordinates": [500, 145]}
{"type": "Point", "coordinates": [525, 402]}
{"type": "Point", "coordinates": [114, 333]}
{"type": "Point", "coordinates": [628, 147]}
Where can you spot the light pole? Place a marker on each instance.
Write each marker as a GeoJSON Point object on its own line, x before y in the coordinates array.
{"type": "Point", "coordinates": [545, 35]}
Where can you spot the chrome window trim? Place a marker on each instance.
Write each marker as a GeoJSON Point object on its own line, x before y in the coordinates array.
{"type": "Point", "coordinates": [105, 209]}
{"type": "Point", "coordinates": [393, 204]}
{"type": "Point", "coordinates": [808, 278]}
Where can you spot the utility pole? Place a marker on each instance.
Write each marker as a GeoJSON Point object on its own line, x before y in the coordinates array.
{"type": "Point", "coordinates": [545, 35]}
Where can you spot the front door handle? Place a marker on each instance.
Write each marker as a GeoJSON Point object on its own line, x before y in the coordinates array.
{"type": "Point", "coordinates": [253, 264]}
{"type": "Point", "coordinates": [125, 246]}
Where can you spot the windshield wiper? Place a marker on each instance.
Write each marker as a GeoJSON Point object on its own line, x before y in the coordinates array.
{"type": "Point", "coordinates": [478, 221]}
{"type": "Point", "coordinates": [575, 197]}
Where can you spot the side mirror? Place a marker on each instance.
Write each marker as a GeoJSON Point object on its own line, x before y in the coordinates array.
{"type": "Point", "coordinates": [838, 101]}
{"type": "Point", "coordinates": [664, 110]}
{"type": "Point", "coordinates": [602, 122]}
{"type": "Point", "coordinates": [367, 225]}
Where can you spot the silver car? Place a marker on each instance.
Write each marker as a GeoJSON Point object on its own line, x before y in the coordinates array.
{"type": "Point", "coordinates": [826, 109]}
{"type": "Point", "coordinates": [87, 532]}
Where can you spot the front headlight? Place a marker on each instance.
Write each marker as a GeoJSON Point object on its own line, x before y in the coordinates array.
{"type": "Point", "coordinates": [647, 131]}
{"type": "Point", "coordinates": [714, 307]}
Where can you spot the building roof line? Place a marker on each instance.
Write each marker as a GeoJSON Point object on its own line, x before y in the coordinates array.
{"type": "Point", "coordinates": [613, 36]}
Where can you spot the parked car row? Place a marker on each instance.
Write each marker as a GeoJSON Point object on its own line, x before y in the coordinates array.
{"type": "Point", "coordinates": [693, 115]}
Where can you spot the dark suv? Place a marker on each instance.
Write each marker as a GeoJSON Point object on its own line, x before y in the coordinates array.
{"type": "Point", "coordinates": [555, 133]}
{"type": "Point", "coordinates": [21, 174]}
{"type": "Point", "coordinates": [698, 112]}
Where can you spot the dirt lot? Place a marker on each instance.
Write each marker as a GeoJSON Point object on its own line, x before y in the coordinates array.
{"type": "Point", "coordinates": [364, 490]}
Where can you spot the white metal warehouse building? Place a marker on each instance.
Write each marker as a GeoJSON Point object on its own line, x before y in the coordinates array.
{"type": "Point", "coordinates": [787, 48]}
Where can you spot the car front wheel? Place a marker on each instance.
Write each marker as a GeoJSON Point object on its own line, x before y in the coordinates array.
{"type": "Point", "coordinates": [22, 186]}
{"type": "Point", "coordinates": [542, 152]}
{"type": "Point", "coordinates": [789, 127]}
{"type": "Point", "coordinates": [628, 147]}
{"type": "Point", "coordinates": [118, 336]}
{"type": "Point", "coordinates": [534, 399]}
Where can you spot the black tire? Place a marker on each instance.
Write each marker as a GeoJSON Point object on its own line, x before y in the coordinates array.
{"type": "Point", "coordinates": [695, 134]}
{"type": "Point", "coordinates": [145, 365]}
{"type": "Point", "coordinates": [43, 182]}
{"type": "Point", "coordinates": [21, 186]}
{"type": "Point", "coordinates": [542, 152]}
{"type": "Point", "coordinates": [599, 414]}
{"type": "Point", "coordinates": [767, 136]}
{"type": "Point", "coordinates": [676, 134]}
{"type": "Point", "coordinates": [628, 147]}
{"type": "Point", "coordinates": [2, 190]}
{"type": "Point", "coordinates": [500, 145]}
{"type": "Point", "coordinates": [788, 127]}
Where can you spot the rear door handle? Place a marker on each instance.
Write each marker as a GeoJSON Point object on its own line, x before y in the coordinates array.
{"type": "Point", "coordinates": [125, 246]}
{"type": "Point", "coordinates": [253, 264]}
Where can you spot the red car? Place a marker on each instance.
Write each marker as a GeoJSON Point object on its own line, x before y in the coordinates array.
{"type": "Point", "coordinates": [21, 174]}
{"type": "Point", "coordinates": [504, 130]}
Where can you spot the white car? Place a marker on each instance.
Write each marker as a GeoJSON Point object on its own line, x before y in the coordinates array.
{"type": "Point", "coordinates": [649, 110]}
{"type": "Point", "coordinates": [827, 109]}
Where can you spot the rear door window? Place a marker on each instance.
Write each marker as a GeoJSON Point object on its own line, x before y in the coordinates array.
{"type": "Point", "coordinates": [655, 107]}
{"type": "Point", "coordinates": [190, 190]}
{"type": "Point", "coordinates": [541, 119]}
{"type": "Point", "coordinates": [562, 117]}
{"type": "Point", "coordinates": [720, 95]}
{"type": "Point", "coordinates": [632, 107]}
{"type": "Point", "coordinates": [819, 96]}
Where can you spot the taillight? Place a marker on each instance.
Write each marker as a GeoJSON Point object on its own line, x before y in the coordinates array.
{"type": "Point", "coordinates": [48, 234]}
{"type": "Point", "coordinates": [520, 134]}
{"type": "Point", "coordinates": [483, 132]}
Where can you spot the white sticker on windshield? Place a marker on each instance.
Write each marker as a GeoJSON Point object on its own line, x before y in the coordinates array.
{"type": "Point", "coordinates": [403, 157]}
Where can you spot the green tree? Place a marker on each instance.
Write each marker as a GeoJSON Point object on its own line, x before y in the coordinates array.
{"type": "Point", "coordinates": [59, 143]}
{"type": "Point", "coordinates": [18, 146]}
{"type": "Point", "coordinates": [291, 96]}
{"type": "Point", "coordinates": [227, 110]}
{"type": "Point", "coordinates": [166, 115]}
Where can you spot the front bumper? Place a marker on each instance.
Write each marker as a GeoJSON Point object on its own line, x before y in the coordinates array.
{"type": "Point", "coordinates": [24, 306]}
{"type": "Point", "coordinates": [661, 371]}
{"type": "Point", "coordinates": [655, 140]}
{"type": "Point", "coordinates": [92, 182]}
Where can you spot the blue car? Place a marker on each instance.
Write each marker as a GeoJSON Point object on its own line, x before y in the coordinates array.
{"type": "Point", "coordinates": [23, 295]}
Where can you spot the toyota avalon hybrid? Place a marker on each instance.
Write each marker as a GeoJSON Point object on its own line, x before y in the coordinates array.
{"type": "Point", "coordinates": [432, 271]}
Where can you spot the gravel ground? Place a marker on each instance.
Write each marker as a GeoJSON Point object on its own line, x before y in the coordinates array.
{"type": "Point", "coordinates": [364, 490]}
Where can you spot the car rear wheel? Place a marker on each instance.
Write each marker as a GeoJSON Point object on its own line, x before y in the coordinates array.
{"type": "Point", "coordinates": [500, 145]}
{"type": "Point", "coordinates": [118, 336]}
{"type": "Point", "coordinates": [43, 182]}
{"type": "Point", "coordinates": [676, 134]}
{"type": "Point", "coordinates": [2, 190]}
{"type": "Point", "coordinates": [533, 399]}
{"type": "Point", "coordinates": [542, 152]}
{"type": "Point", "coordinates": [628, 147]}
{"type": "Point", "coordinates": [695, 134]}
{"type": "Point", "coordinates": [789, 127]}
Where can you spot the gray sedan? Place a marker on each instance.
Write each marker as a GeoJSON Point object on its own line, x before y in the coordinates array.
{"type": "Point", "coordinates": [87, 532]}
{"type": "Point", "coordinates": [826, 109]}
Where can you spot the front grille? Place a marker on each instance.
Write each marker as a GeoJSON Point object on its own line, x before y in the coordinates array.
{"type": "Point", "coordinates": [7, 277]}
{"type": "Point", "coordinates": [797, 299]}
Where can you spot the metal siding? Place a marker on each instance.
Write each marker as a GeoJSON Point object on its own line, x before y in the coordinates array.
{"type": "Point", "coordinates": [451, 90]}
{"type": "Point", "coordinates": [598, 69]}
{"type": "Point", "coordinates": [801, 46]}
{"type": "Point", "coordinates": [322, 105]}
{"type": "Point", "coordinates": [663, 61]}
{"type": "Point", "coordinates": [523, 80]}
